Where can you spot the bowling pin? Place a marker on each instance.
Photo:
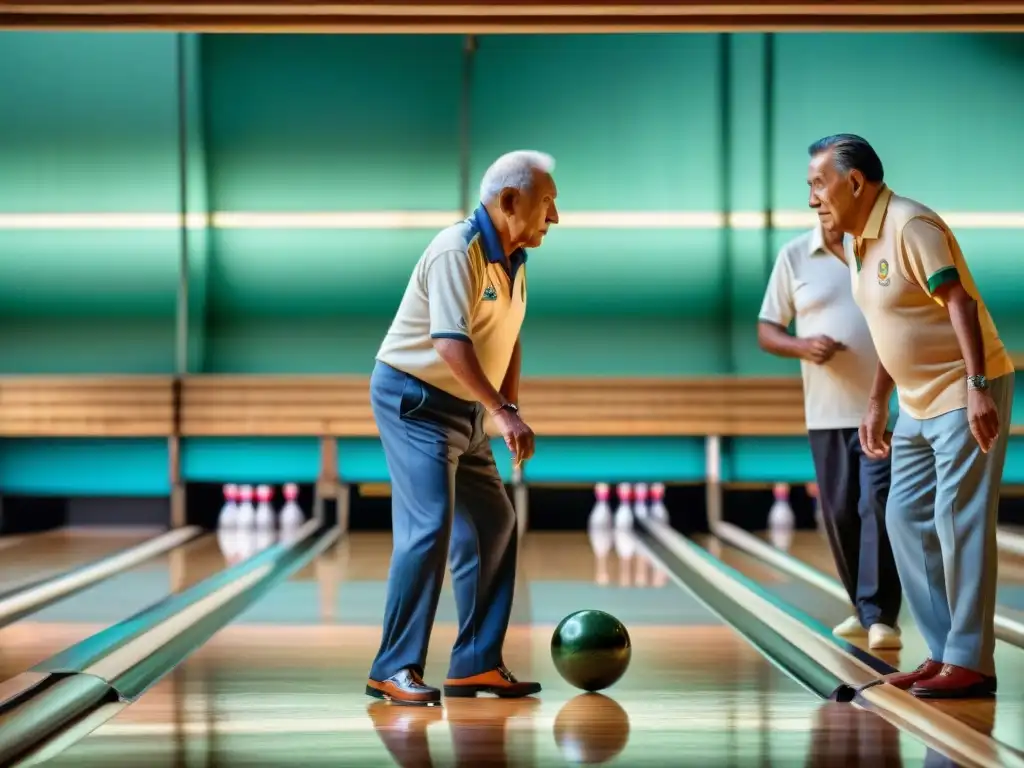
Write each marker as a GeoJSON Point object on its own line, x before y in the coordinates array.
{"type": "Point", "coordinates": [781, 514]}
{"type": "Point", "coordinates": [781, 537]}
{"type": "Point", "coordinates": [601, 540]}
{"type": "Point", "coordinates": [625, 548]}
{"type": "Point", "coordinates": [624, 512]}
{"type": "Point", "coordinates": [657, 510]}
{"type": "Point", "coordinates": [229, 512]}
{"type": "Point", "coordinates": [291, 513]}
{"type": "Point", "coordinates": [246, 516]}
{"type": "Point", "coordinates": [265, 537]}
{"type": "Point", "coordinates": [601, 514]}
{"type": "Point", "coordinates": [640, 509]}
{"type": "Point", "coordinates": [264, 512]}
{"type": "Point", "coordinates": [227, 541]}
{"type": "Point", "coordinates": [246, 543]}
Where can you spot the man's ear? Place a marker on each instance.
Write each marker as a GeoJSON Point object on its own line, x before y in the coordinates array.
{"type": "Point", "coordinates": [856, 182]}
{"type": "Point", "coordinates": [507, 201]}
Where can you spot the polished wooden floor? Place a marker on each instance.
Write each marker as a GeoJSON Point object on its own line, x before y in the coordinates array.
{"type": "Point", "coordinates": [283, 684]}
{"type": "Point", "coordinates": [1003, 718]}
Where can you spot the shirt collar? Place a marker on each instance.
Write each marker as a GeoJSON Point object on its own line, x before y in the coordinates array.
{"type": "Point", "coordinates": [493, 249]}
{"type": "Point", "coordinates": [818, 243]}
{"type": "Point", "coordinates": [873, 227]}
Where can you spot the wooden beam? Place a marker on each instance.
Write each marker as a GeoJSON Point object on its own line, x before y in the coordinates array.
{"type": "Point", "coordinates": [479, 16]}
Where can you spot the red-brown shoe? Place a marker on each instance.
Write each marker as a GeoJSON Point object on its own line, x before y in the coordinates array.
{"type": "Point", "coordinates": [498, 681]}
{"type": "Point", "coordinates": [955, 682]}
{"type": "Point", "coordinates": [906, 680]}
{"type": "Point", "coordinates": [407, 687]}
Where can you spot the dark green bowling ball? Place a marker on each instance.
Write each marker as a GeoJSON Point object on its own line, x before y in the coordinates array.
{"type": "Point", "coordinates": [591, 649]}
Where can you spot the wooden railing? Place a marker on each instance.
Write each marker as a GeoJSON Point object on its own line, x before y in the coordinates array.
{"type": "Point", "coordinates": [339, 406]}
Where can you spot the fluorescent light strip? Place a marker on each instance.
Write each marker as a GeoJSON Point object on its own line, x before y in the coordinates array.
{"type": "Point", "coordinates": [438, 219]}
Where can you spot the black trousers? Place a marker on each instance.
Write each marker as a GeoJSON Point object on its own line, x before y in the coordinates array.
{"type": "Point", "coordinates": [853, 490]}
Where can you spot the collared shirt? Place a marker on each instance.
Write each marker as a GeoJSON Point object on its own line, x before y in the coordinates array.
{"type": "Point", "coordinates": [904, 255]}
{"type": "Point", "coordinates": [461, 288]}
{"type": "Point", "coordinates": [811, 285]}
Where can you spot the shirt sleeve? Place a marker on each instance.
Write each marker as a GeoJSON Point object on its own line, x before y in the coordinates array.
{"type": "Point", "coordinates": [927, 256]}
{"type": "Point", "coordinates": [777, 306]}
{"type": "Point", "coordinates": [451, 287]}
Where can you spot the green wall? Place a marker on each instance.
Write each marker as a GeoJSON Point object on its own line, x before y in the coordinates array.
{"type": "Point", "coordinates": [188, 126]}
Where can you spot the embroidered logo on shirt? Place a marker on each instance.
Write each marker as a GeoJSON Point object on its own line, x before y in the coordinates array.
{"type": "Point", "coordinates": [883, 272]}
{"type": "Point", "coordinates": [490, 294]}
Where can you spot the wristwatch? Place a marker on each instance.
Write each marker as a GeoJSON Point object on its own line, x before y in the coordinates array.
{"type": "Point", "coordinates": [977, 382]}
{"type": "Point", "coordinates": [510, 407]}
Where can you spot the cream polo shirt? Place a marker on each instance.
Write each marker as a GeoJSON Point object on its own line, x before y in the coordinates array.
{"type": "Point", "coordinates": [460, 288]}
{"type": "Point", "coordinates": [811, 284]}
{"type": "Point", "coordinates": [904, 255]}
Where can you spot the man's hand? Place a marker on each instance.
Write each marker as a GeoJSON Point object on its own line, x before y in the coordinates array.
{"type": "Point", "coordinates": [518, 436]}
{"type": "Point", "coordinates": [819, 349]}
{"type": "Point", "coordinates": [983, 418]}
{"type": "Point", "coordinates": [873, 438]}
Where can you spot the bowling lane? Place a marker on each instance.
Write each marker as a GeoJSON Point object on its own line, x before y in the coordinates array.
{"type": "Point", "coordinates": [284, 683]}
{"type": "Point", "coordinates": [1000, 718]}
{"type": "Point", "coordinates": [41, 555]}
{"type": "Point", "coordinates": [66, 622]}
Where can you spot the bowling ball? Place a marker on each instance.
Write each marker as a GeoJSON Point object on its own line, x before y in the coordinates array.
{"type": "Point", "coordinates": [591, 649]}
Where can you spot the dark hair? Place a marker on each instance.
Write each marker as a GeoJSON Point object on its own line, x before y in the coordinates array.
{"type": "Point", "coordinates": [850, 152]}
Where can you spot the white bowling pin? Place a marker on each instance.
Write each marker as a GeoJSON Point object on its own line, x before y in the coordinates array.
{"type": "Point", "coordinates": [640, 508]}
{"type": "Point", "coordinates": [812, 491]}
{"type": "Point", "coordinates": [229, 512]}
{"type": "Point", "coordinates": [657, 510]}
{"type": "Point", "coordinates": [624, 512]}
{"type": "Point", "coordinates": [264, 538]}
{"type": "Point", "coordinates": [246, 515]}
{"type": "Point", "coordinates": [601, 539]}
{"type": "Point", "coordinates": [781, 514]}
{"type": "Point", "coordinates": [781, 537]}
{"type": "Point", "coordinates": [227, 541]}
{"type": "Point", "coordinates": [601, 514]}
{"type": "Point", "coordinates": [625, 548]}
{"type": "Point", "coordinates": [264, 512]}
{"type": "Point", "coordinates": [291, 513]}
{"type": "Point", "coordinates": [246, 543]}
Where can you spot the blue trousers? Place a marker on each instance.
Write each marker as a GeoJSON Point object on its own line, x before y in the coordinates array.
{"type": "Point", "coordinates": [448, 501]}
{"type": "Point", "coordinates": [941, 516]}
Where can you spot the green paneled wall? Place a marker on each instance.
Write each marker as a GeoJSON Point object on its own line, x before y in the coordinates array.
{"type": "Point", "coordinates": [88, 123]}
{"type": "Point", "coordinates": [270, 124]}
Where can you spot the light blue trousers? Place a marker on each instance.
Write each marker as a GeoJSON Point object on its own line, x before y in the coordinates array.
{"type": "Point", "coordinates": [941, 517]}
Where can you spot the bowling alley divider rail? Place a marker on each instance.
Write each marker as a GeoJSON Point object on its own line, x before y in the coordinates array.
{"type": "Point", "coordinates": [46, 709]}
{"type": "Point", "coordinates": [1007, 629]}
{"type": "Point", "coordinates": [29, 598]}
{"type": "Point", "coordinates": [813, 645]}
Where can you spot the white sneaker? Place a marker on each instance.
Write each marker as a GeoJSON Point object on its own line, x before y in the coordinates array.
{"type": "Point", "coordinates": [851, 627]}
{"type": "Point", "coordinates": [884, 638]}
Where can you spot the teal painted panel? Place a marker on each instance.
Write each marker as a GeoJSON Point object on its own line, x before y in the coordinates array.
{"type": "Point", "coordinates": [275, 273]}
{"type": "Point", "coordinates": [939, 108]}
{"type": "Point", "coordinates": [250, 459]}
{"type": "Point", "coordinates": [361, 460]}
{"type": "Point", "coordinates": [89, 345]}
{"type": "Point", "coordinates": [651, 459]}
{"type": "Point", "coordinates": [333, 122]}
{"type": "Point", "coordinates": [632, 120]}
{"type": "Point", "coordinates": [572, 346]}
{"type": "Point", "coordinates": [767, 460]}
{"type": "Point", "coordinates": [89, 122]}
{"type": "Point", "coordinates": [88, 273]}
{"type": "Point", "coordinates": [1013, 470]}
{"type": "Point", "coordinates": [85, 467]}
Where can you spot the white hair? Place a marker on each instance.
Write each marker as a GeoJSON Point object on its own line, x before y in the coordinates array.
{"type": "Point", "coordinates": [515, 170]}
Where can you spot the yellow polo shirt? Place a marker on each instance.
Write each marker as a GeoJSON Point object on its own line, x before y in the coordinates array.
{"type": "Point", "coordinates": [461, 288]}
{"type": "Point", "coordinates": [904, 255]}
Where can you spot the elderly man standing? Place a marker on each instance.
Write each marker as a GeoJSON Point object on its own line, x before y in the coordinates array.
{"type": "Point", "coordinates": [451, 357]}
{"type": "Point", "coordinates": [937, 343]}
{"type": "Point", "coordinates": [810, 283]}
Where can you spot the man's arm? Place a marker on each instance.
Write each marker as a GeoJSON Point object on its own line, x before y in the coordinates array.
{"type": "Point", "coordinates": [776, 340]}
{"type": "Point", "coordinates": [452, 288]}
{"type": "Point", "coordinates": [777, 313]}
{"type": "Point", "coordinates": [510, 386]}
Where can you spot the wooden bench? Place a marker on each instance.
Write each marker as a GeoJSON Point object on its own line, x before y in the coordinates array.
{"type": "Point", "coordinates": [579, 407]}
{"type": "Point", "coordinates": [87, 406]}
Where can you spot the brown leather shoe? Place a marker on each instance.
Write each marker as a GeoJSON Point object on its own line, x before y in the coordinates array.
{"type": "Point", "coordinates": [955, 682]}
{"type": "Point", "coordinates": [406, 687]}
{"type": "Point", "coordinates": [906, 680]}
{"type": "Point", "coordinates": [498, 681]}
